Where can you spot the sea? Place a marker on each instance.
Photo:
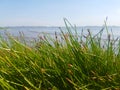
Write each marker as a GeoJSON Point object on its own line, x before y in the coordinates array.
{"type": "Point", "coordinates": [37, 31]}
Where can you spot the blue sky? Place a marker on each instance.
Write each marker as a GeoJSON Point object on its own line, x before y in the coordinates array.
{"type": "Point", "coordinates": [52, 12]}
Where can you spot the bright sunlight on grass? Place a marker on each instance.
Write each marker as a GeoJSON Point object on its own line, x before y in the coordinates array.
{"type": "Point", "coordinates": [70, 62]}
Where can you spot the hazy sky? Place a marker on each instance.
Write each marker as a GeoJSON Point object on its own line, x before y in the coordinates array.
{"type": "Point", "coordinates": [52, 12]}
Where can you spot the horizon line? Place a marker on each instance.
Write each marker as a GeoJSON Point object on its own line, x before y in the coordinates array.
{"type": "Point", "coordinates": [60, 26]}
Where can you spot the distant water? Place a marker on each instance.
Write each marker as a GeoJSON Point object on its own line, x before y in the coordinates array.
{"type": "Point", "coordinates": [34, 32]}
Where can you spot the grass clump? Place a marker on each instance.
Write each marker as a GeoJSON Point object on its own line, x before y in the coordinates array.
{"type": "Point", "coordinates": [68, 62]}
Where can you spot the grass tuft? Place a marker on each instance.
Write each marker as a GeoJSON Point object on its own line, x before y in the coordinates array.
{"type": "Point", "coordinates": [68, 62]}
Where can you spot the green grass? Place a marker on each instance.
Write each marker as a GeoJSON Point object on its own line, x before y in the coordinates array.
{"type": "Point", "coordinates": [73, 62]}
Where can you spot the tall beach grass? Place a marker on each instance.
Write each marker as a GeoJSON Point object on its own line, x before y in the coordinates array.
{"type": "Point", "coordinates": [68, 62]}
